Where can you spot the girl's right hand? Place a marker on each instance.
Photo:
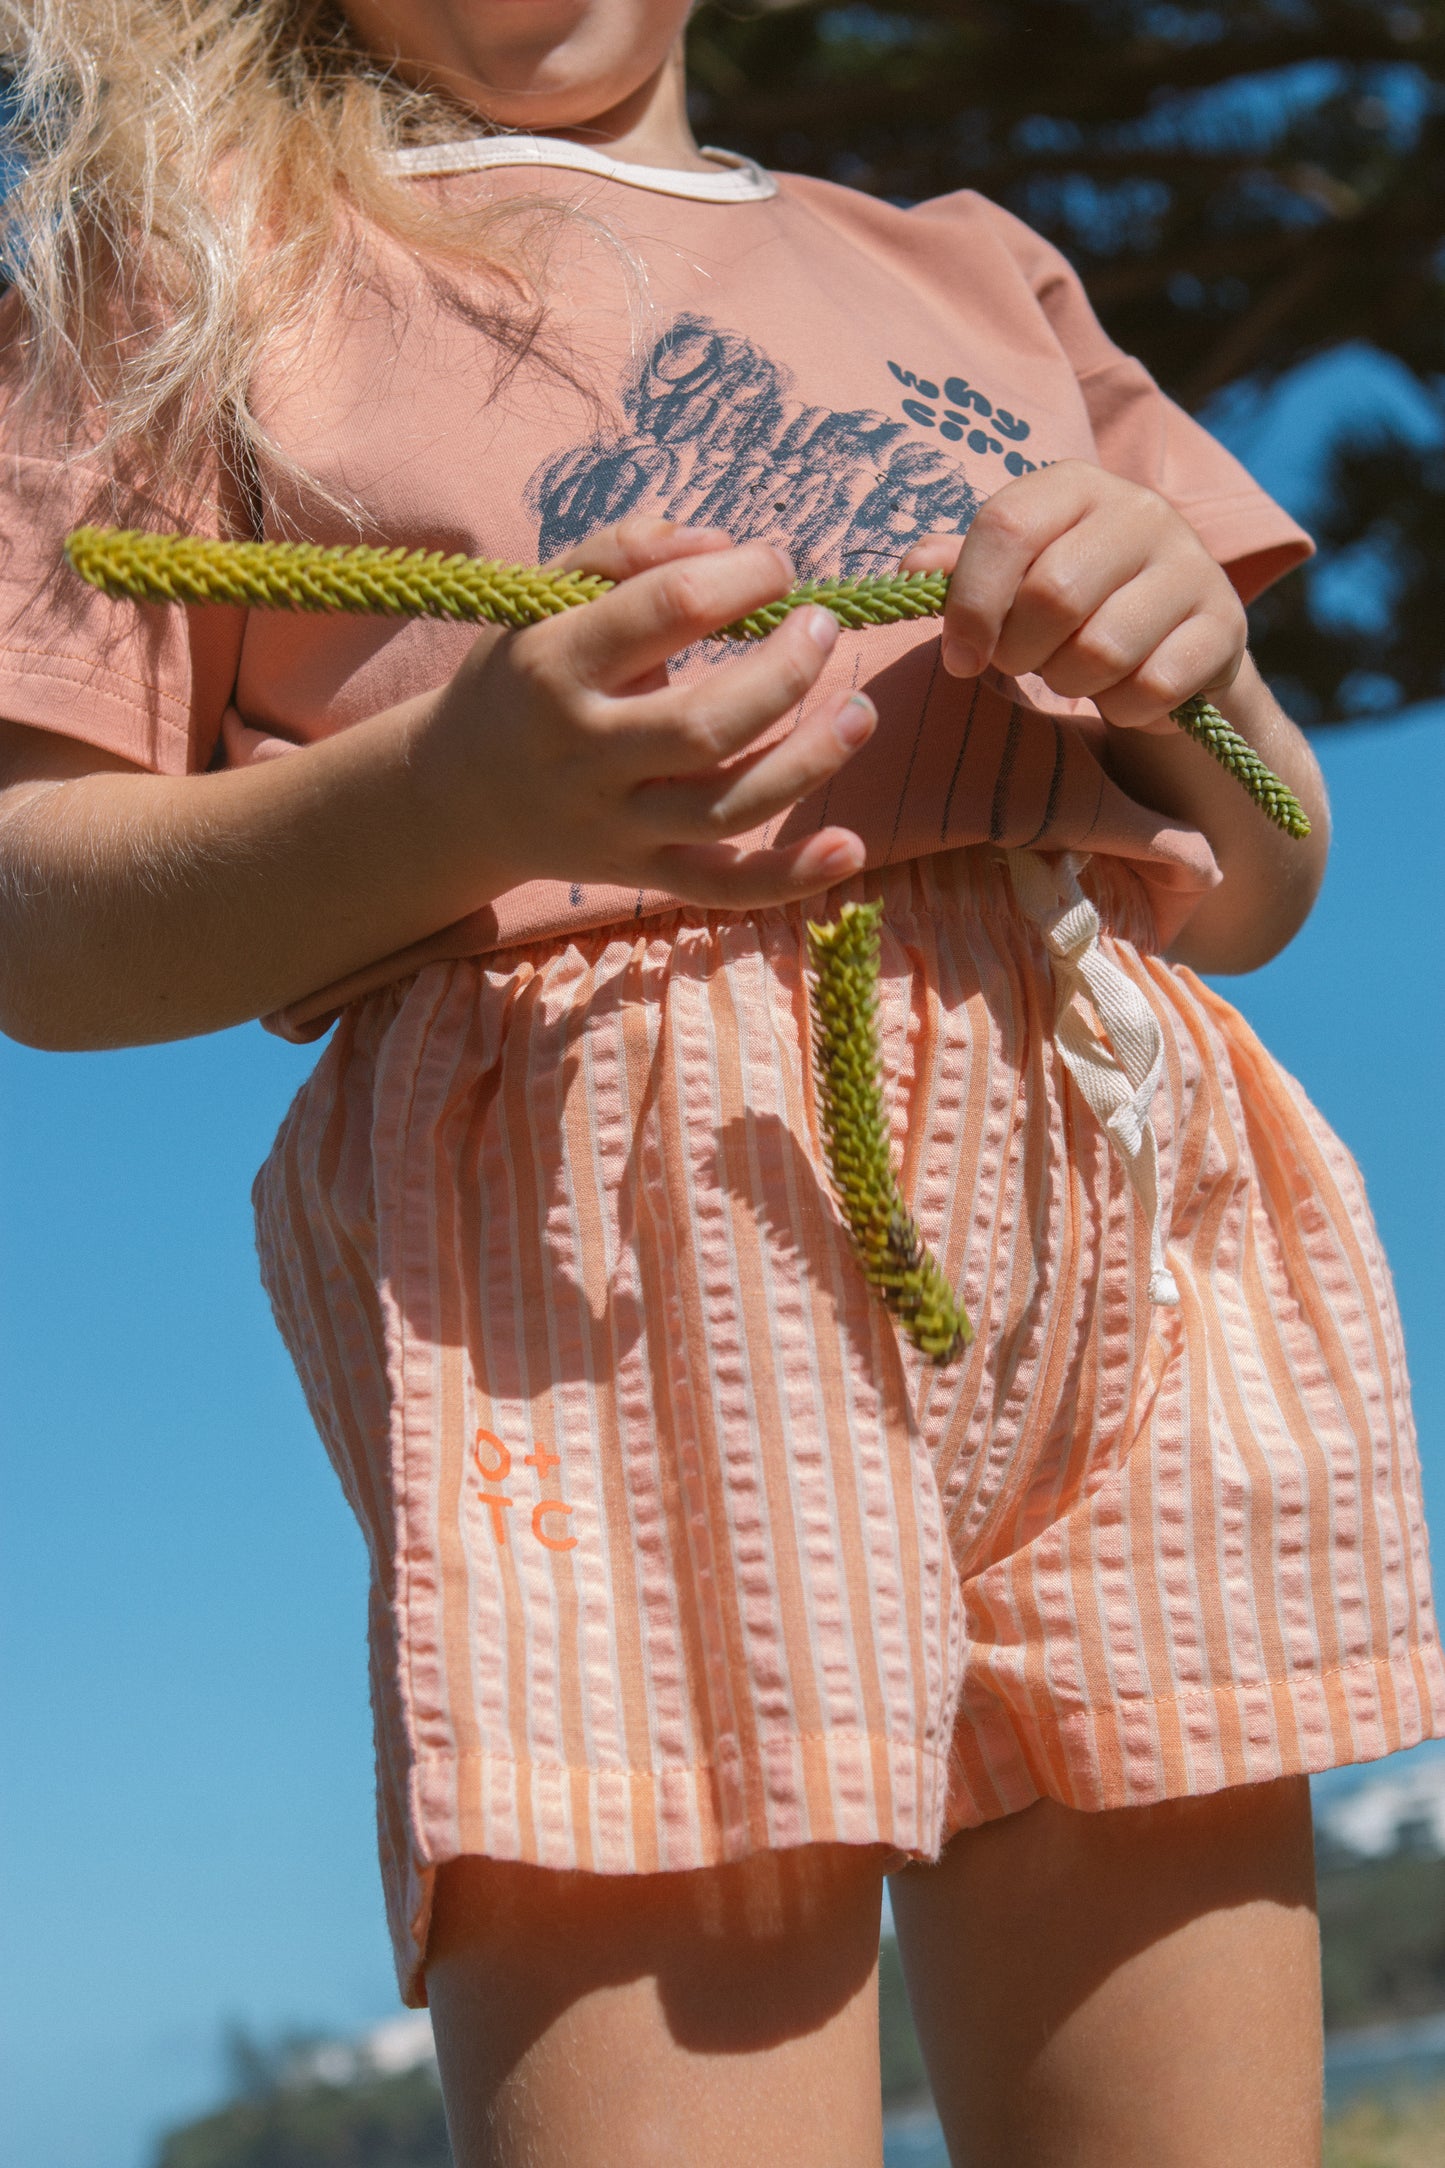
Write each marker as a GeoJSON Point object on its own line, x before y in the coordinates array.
{"type": "Point", "coordinates": [569, 754]}
{"type": "Point", "coordinates": [137, 907]}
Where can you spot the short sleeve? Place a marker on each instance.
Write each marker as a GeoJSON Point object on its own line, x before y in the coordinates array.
{"type": "Point", "coordinates": [148, 683]}
{"type": "Point", "coordinates": [1143, 435]}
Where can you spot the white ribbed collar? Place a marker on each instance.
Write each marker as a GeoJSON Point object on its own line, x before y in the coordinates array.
{"type": "Point", "coordinates": [737, 180]}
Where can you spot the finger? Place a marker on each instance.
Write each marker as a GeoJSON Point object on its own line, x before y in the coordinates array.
{"type": "Point", "coordinates": [1199, 656]}
{"type": "Point", "coordinates": [1066, 585]}
{"type": "Point", "coordinates": [750, 791]}
{"type": "Point", "coordinates": [684, 730]}
{"type": "Point", "coordinates": [1115, 638]}
{"type": "Point", "coordinates": [1007, 534]}
{"type": "Point", "coordinates": [722, 877]}
{"type": "Point", "coordinates": [935, 553]}
{"type": "Point", "coordinates": [636, 544]}
{"type": "Point", "coordinates": [616, 639]}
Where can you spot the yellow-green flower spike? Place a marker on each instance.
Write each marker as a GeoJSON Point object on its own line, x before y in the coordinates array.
{"type": "Point", "coordinates": [303, 576]}
{"type": "Point", "coordinates": [423, 583]}
{"type": "Point", "coordinates": [848, 1064]}
{"type": "Point", "coordinates": [1202, 721]}
{"type": "Point", "coordinates": [427, 583]}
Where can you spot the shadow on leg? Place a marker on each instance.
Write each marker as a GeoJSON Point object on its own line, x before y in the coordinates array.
{"type": "Point", "coordinates": [605, 2021]}
{"type": "Point", "coordinates": [1137, 1989]}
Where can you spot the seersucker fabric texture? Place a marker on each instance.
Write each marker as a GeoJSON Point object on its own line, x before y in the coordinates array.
{"type": "Point", "coordinates": [679, 1553]}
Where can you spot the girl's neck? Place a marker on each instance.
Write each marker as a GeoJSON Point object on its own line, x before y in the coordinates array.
{"type": "Point", "coordinates": [650, 128]}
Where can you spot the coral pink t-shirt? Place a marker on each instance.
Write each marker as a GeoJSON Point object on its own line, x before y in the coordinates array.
{"type": "Point", "coordinates": [773, 355]}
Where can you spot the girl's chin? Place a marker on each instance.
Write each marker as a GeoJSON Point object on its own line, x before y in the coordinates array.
{"type": "Point", "coordinates": [536, 106]}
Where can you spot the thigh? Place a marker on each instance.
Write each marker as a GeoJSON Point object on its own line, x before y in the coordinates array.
{"type": "Point", "coordinates": [1135, 1989]}
{"type": "Point", "coordinates": [727, 2016]}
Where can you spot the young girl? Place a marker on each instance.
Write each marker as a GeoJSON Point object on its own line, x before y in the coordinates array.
{"type": "Point", "coordinates": [700, 1601]}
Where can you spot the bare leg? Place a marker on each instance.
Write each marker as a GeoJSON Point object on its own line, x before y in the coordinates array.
{"type": "Point", "coordinates": [724, 2019]}
{"type": "Point", "coordinates": [1137, 1989]}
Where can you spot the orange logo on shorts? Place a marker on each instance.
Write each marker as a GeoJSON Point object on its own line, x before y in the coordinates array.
{"type": "Point", "coordinates": [494, 1464]}
{"type": "Point", "coordinates": [491, 1470]}
{"type": "Point", "coordinates": [553, 1543]}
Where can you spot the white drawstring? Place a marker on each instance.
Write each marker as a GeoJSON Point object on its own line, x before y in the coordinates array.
{"type": "Point", "coordinates": [1119, 1073]}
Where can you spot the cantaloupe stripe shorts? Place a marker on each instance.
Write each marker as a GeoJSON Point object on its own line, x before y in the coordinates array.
{"type": "Point", "coordinates": [680, 1554]}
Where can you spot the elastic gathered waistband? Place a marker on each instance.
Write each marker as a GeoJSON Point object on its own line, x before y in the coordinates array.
{"type": "Point", "coordinates": [973, 879]}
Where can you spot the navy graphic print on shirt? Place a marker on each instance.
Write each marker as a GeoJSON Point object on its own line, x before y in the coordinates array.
{"type": "Point", "coordinates": [715, 435]}
{"type": "Point", "coordinates": [966, 415]}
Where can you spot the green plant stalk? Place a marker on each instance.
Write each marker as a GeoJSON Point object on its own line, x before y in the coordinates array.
{"type": "Point", "coordinates": [426, 583]}
{"type": "Point", "coordinates": [1200, 720]}
{"type": "Point", "coordinates": [847, 1062]}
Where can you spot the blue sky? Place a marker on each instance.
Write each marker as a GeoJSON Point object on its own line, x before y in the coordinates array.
{"type": "Point", "coordinates": [185, 1801]}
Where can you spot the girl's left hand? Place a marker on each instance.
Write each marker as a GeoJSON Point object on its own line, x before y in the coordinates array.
{"type": "Point", "coordinates": [1096, 585]}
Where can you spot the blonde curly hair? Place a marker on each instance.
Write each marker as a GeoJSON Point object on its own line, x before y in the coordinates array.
{"type": "Point", "coordinates": [187, 177]}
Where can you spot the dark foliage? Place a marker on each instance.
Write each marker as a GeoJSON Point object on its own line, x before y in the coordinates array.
{"type": "Point", "coordinates": [1243, 186]}
{"type": "Point", "coordinates": [1381, 530]}
{"type": "Point", "coordinates": [1382, 1928]}
{"type": "Point", "coordinates": [899, 2054]}
{"type": "Point", "coordinates": [383, 2122]}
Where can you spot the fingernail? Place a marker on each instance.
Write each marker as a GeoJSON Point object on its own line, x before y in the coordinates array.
{"type": "Point", "coordinates": [855, 724]}
{"type": "Point", "coordinates": [822, 626]}
{"type": "Point", "coordinates": [842, 858]}
{"type": "Point", "coordinates": [959, 659]}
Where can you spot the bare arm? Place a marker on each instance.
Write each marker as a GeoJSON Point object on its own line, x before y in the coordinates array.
{"type": "Point", "coordinates": [136, 908]}
{"type": "Point", "coordinates": [1270, 880]}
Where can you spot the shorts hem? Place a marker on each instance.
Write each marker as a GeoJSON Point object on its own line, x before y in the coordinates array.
{"type": "Point", "coordinates": [1357, 1713]}
{"type": "Point", "coordinates": [1210, 1739]}
{"type": "Point", "coordinates": [876, 1790]}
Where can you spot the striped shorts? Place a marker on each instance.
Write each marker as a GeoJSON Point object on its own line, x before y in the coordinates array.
{"type": "Point", "coordinates": [680, 1554]}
